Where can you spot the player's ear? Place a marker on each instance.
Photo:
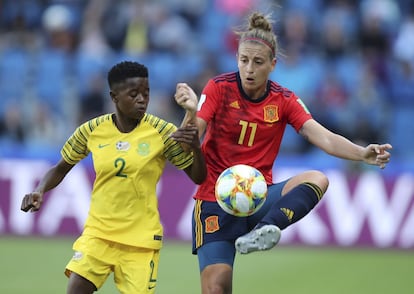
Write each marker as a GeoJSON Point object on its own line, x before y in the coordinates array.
{"type": "Point", "coordinates": [113, 96]}
{"type": "Point", "coordinates": [273, 63]}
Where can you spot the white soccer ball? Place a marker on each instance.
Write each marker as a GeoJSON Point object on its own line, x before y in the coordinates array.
{"type": "Point", "coordinates": [241, 190]}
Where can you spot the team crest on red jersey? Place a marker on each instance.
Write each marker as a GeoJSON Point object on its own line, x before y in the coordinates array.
{"type": "Point", "coordinates": [212, 224]}
{"type": "Point", "coordinates": [270, 113]}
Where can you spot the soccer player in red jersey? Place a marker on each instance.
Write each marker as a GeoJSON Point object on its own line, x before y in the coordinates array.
{"type": "Point", "coordinates": [243, 116]}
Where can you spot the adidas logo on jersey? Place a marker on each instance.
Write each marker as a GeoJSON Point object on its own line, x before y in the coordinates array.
{"type": "Point", "coordinates": [235, 104]}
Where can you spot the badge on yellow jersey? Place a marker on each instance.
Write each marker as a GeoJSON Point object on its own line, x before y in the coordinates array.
{"type": "Point", "coordinates": [143, 148]}
{"type": "Point", "coordinates": [122, 146]}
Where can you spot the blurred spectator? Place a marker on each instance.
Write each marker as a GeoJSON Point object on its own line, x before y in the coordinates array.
{"type": "Point", "coordinates": [114, 23]}
{"type": "Point", "coordinates": [54, 59]}
{"type": "Point", "coordinates": [402, 89]}
{"type": "Point", "coordinates": [350, 61]}
{"type": "Point", "coordinates": [24, 14]}
{"type": "Point", "coordinates": [385, 13]}
{"type": "Point", "coordinates": [379, 19]}
{"type": "Point", "coordinates": [366, 109]}
{"type": "Point", "coordinates": [298, 68]}
{"type": "Point", "coordinates": [338, 30]}
{"type": "Point", "coordinates": [191, 10]}
{"type": "Point", "coordinates": [46, 127]}
{"type": "Point", "coordinates": [330, 102]}
{"type": "Point", "coordinates": [402, 82]}
{"type": "Point", "coordinates": [93, 99]}
{"type": "Point", "coordinates": [403, 47]}
{"type": "Point", "coordinates": [93, 42]}
{"type": "Point", "coordinates": [168, 32]}
{"type": "Point", "coordinates": [60, 28]}
{"type": "Point", "coordinates": [136, 39]}
{"type": "Point", "coordinates": [11, 125]}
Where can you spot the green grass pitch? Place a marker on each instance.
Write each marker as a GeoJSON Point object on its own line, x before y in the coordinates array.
{"type": "Point", "coordinates": [35, 266]}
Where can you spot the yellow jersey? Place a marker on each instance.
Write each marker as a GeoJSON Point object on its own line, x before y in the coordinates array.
{"type": "Point", "coordinates": [124, 205]}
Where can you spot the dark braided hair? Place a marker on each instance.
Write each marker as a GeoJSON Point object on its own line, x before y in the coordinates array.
{"type": "Point", "coordinates": [125, 70]}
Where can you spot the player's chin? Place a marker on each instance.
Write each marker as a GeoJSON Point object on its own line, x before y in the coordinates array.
{"type": "Point", "coordinates": [249, 84]}
{"type": "Point", "coordinates": [138, 115]}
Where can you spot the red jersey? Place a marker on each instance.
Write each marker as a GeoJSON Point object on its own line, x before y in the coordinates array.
{"type": "Point", "coordinates": [244, 131]}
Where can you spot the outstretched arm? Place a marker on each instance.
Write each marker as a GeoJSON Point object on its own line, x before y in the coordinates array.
{"type": "Point", "coordinates": [339, 146]}
{"type": "Point", "coordinates": [52, 178]}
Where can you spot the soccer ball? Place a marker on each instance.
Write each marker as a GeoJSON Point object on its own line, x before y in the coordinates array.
{"type": "Point", "coordinates": [241, 190]}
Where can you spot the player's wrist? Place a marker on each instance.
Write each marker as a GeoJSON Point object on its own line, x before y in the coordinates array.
{"type": "Point", "coordinates": [190, 117]}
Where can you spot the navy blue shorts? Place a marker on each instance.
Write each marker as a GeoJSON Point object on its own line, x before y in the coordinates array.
{"type": "Point", "coordinates": [215, 231]}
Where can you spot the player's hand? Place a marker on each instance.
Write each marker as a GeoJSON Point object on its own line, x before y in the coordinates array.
{"type": "Point", "coordinates": [186, 97]}
{"type": "Point", "coordinates": [377, 154]}
{"type": "Point", "coordinates": [32, 202]}
{"type": "Point", "coordinates": [188, 136]}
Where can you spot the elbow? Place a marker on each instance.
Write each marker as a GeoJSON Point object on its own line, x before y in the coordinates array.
{"type": "Point", "coordinates": [200, 178]}
{"type": "Point", "coordinates": [197, 174]}
{"type": "Point", "coordinates": [198, 182]}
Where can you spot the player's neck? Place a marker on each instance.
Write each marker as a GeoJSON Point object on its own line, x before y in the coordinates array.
{"type": "Point", "coordinates": [125, 125]}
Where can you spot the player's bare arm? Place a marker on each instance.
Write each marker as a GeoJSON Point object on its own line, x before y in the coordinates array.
{"type": "Point", "coordinates": [339, 146]}
{"type": "Point", "coordinates": [187, 99]}
{"type": "Point", "coordinates": [33, 201]}
{"type": "Point", "coordinates": [188, 135]}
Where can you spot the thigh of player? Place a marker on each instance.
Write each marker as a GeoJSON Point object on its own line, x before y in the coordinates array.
{"type": "Point", "coordinates": [274, 193]}
{"type": "Point", "coordinates": [211, 224]}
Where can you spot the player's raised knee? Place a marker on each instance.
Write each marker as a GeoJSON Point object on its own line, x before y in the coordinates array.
{"type": "Point", "coordinates": [320, 179]}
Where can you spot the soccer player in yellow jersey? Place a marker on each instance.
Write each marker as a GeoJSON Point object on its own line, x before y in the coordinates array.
{"type": "Point", "coordinates": [123, 233]}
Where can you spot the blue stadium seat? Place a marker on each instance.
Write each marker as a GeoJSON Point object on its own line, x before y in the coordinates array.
{"type": "Point", "coordinates": [401, 135]}
{"type": "Point", "coordinates": [53, 69]}
{"type": "Point", "coordinates": [213, 28]}
{"type": "Point", "coordinates": [163, 71]}
{"type": "Point", "coordinates": [86, 68]}
{"type": "Point", "coordinates": [14, 73]}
